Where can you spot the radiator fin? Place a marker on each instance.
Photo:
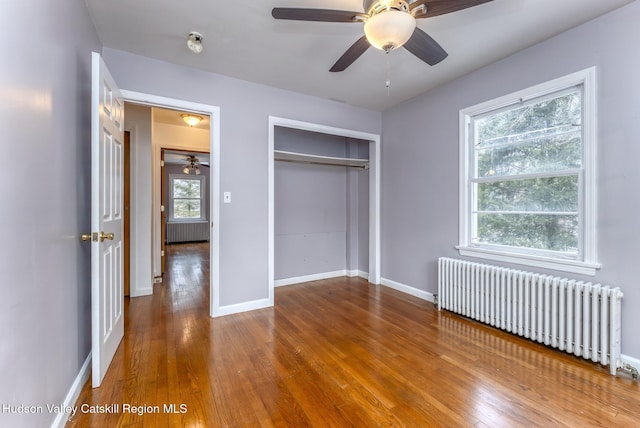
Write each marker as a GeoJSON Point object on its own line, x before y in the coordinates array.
{"type": "Point", "coordinates": [572, 316]}
{"type": "Point", "coordinates": [187, 232]}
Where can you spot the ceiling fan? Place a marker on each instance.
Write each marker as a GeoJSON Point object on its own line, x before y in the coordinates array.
{"type": "Point", "coordinates": [388, 25]}
{"type": "Point", "coordinates": [194, 164]}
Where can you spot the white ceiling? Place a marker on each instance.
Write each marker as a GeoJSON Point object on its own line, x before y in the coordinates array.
{"type": "Point", "coordinates": [242, 40]}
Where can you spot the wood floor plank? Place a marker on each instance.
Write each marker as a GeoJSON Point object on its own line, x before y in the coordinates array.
{"type": "Point", "coordinates": [338, 353]}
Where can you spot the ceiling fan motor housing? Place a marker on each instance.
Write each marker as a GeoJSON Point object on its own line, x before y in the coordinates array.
{"type": "Point", "coordinates": [373, 7]}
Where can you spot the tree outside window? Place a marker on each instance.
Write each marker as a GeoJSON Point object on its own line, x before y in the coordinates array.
{"type": "Point", "coordinates": [527, 176]}
{"type": "Point", "coordinates": [187, 198]}
{"type": "Point", "coordinates": [528, 166]}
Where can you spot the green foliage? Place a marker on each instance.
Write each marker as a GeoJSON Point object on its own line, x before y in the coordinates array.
{"type": "Point", "coordinates": [536, 231]}
{"type": "Point", "coordinates": [542, 137]}
{"type": "Point", "coordinates": [186, 194]}
{"type": "Point", "coordinates": [548, 194]}
{"type": "Point", "coordinates": [186, 188]}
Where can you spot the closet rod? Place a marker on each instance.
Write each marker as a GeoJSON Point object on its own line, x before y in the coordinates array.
{"type": "Point", "coordinates": [322, 163]}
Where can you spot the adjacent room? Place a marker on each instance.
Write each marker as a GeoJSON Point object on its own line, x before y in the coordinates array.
{"type": "Point", "coordinates": [320, 213]}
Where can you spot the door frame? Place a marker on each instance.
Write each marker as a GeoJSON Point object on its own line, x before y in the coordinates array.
{"type": "Point", "coordinates": [374, 190]}
{"type": "Point", "coordinates": [214, 180]}
{"type": "Point", "coordinates": [126, 235]}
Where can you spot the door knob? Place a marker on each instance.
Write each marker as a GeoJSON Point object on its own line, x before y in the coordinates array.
{"type": "Point", "coordinates": [104, 236]}
{"type": "Point", "coordinates": [94, 236]}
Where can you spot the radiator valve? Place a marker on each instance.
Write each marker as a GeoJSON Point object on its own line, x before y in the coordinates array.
{"type": "Point", "coordinates": [628, 368]}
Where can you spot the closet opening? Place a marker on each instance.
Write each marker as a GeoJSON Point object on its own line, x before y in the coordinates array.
{"type": "Point", "coordinates": [324, 203]}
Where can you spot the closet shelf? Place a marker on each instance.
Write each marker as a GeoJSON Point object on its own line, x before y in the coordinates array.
{"type": "Point", "coordinates": [281, 155]}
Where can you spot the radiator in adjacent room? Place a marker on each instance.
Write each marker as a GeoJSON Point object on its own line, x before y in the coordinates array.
{"type": "Point", "coordinates": [576, 317]}
{"type": "Point", "coordinates": [187, 232]}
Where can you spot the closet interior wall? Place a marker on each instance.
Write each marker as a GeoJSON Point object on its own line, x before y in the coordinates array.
{"type": "Point", "coordinates": [321, 211]}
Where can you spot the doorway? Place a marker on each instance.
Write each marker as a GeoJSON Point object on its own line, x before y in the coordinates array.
{"type": "Point", "coordinates": [145, 209]}
{"type": "Point", "coordinates": [180, 141]}
{"type": "Point", "coordinates": [185, 231]}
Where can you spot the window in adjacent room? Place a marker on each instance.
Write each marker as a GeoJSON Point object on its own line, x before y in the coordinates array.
{"type": "Point", "coordinates": [527, 176]}
{"type": "Point", "coordinates": [187, 198]}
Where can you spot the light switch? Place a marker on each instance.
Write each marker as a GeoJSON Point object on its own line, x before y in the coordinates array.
{"type": "Point", "coordinates": [227, 197]}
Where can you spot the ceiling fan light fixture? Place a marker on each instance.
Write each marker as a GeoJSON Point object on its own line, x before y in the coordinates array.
{"type": "Point", "coordinates": [194, 42]}
{"type": "Point", "coordinates": [191, 119]}
{"type": "Point", "coordinates": [193, 163]}
{"type": "Point", "coordinates": [390, 29]}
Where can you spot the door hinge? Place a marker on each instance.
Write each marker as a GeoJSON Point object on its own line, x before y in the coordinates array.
{"type": "Point", "coordinates": [161, 163]}
{"type": "Point", "coordinates": [161, 208]}
{"type": "Point", "coordinates": [162, 253]}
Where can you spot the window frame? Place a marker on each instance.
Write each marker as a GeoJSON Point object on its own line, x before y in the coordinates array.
{"type": "Point", "coordinates": [586, 262]}
{"type": "Point", "coordinates": [202, 198]}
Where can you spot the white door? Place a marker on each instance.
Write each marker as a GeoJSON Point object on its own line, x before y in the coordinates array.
{"type": "Point", "coordinates": [107, 151]}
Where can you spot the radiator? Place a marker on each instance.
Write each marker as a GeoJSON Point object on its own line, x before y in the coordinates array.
{"type": "Point", "coordinates": [576, 317]}
{"type": "Point", "coordinates": [187, 232]}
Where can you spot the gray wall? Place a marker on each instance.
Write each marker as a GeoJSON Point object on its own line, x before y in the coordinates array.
{"type": "Point", "coordinates": [137, 120]}
{"type": "Point", "coordinates": [310, 231]}
{"type": "Point", "coordinates": [244, 111]}
{"type": "Point", "coordinates": [420, 156]}
{"type": "Point", "coordinates": [317, 207]}
{"type": "Point", "coordinates": [45, 186]}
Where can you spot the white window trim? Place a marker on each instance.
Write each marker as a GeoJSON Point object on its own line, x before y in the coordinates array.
{"type": "Point", "coordinates": [588, 265]}
{"type": "Point", "coordinates": [203, 202]}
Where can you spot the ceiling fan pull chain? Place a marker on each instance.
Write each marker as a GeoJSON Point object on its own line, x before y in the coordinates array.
{"type": "Point", "coordinates": [388, 81]}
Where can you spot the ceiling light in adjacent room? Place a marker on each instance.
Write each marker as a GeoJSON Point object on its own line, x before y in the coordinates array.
{"type": "Point", "coordinates": [191, 119]}
{"type": "Point", "coordinates": [194, 43]}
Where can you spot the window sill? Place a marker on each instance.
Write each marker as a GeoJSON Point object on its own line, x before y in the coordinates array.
{"type": "Point", "coordinates": [572, 266]}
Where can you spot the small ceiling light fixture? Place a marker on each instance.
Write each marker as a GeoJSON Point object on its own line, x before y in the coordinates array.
{"type": "Point", "coordinates": [390, 25]}
{"type": "Point", "coordinates": [193, 164]}
{"type": "Point", "coordinates": [194, 42]}
{"type": "Point", "coordinates": [191, 119]}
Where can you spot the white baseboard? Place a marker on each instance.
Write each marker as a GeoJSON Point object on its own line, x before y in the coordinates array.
{"type": "Point", "coordinates": [314, 277]}
{"type": "Point", "coordinates": [140, 292]}
{"type": "Point", "coordinates": [73, 394]}
{"type": "Point", "coordinates": [359, 273]}
{"type": "Point", "coordinates": [242, 307]}
{"type": "Point", "coordinates": [421, 294]}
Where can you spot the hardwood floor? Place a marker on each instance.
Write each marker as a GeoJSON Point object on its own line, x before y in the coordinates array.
{"type": "Point", "coordinates": [338, 353]}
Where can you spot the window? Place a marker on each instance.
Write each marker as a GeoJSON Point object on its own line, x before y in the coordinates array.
{"type": "Point", "coordinates": [528, 177]}
{"type": "Point", "coordinates": [187, 198]}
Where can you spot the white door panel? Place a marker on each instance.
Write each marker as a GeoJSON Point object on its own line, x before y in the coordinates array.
{"type": "Point", "coordinates": [107, 300]}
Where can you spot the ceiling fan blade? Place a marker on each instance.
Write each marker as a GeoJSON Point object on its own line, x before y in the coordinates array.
{"type": "Point", "coordinates": [424, 47]}
{"type": "Point", "coordinates": [322, 15]}
{"type": "Point", "coordinates": [441, 7]}
{"type": "Point", "coordinates": [352, 54]}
